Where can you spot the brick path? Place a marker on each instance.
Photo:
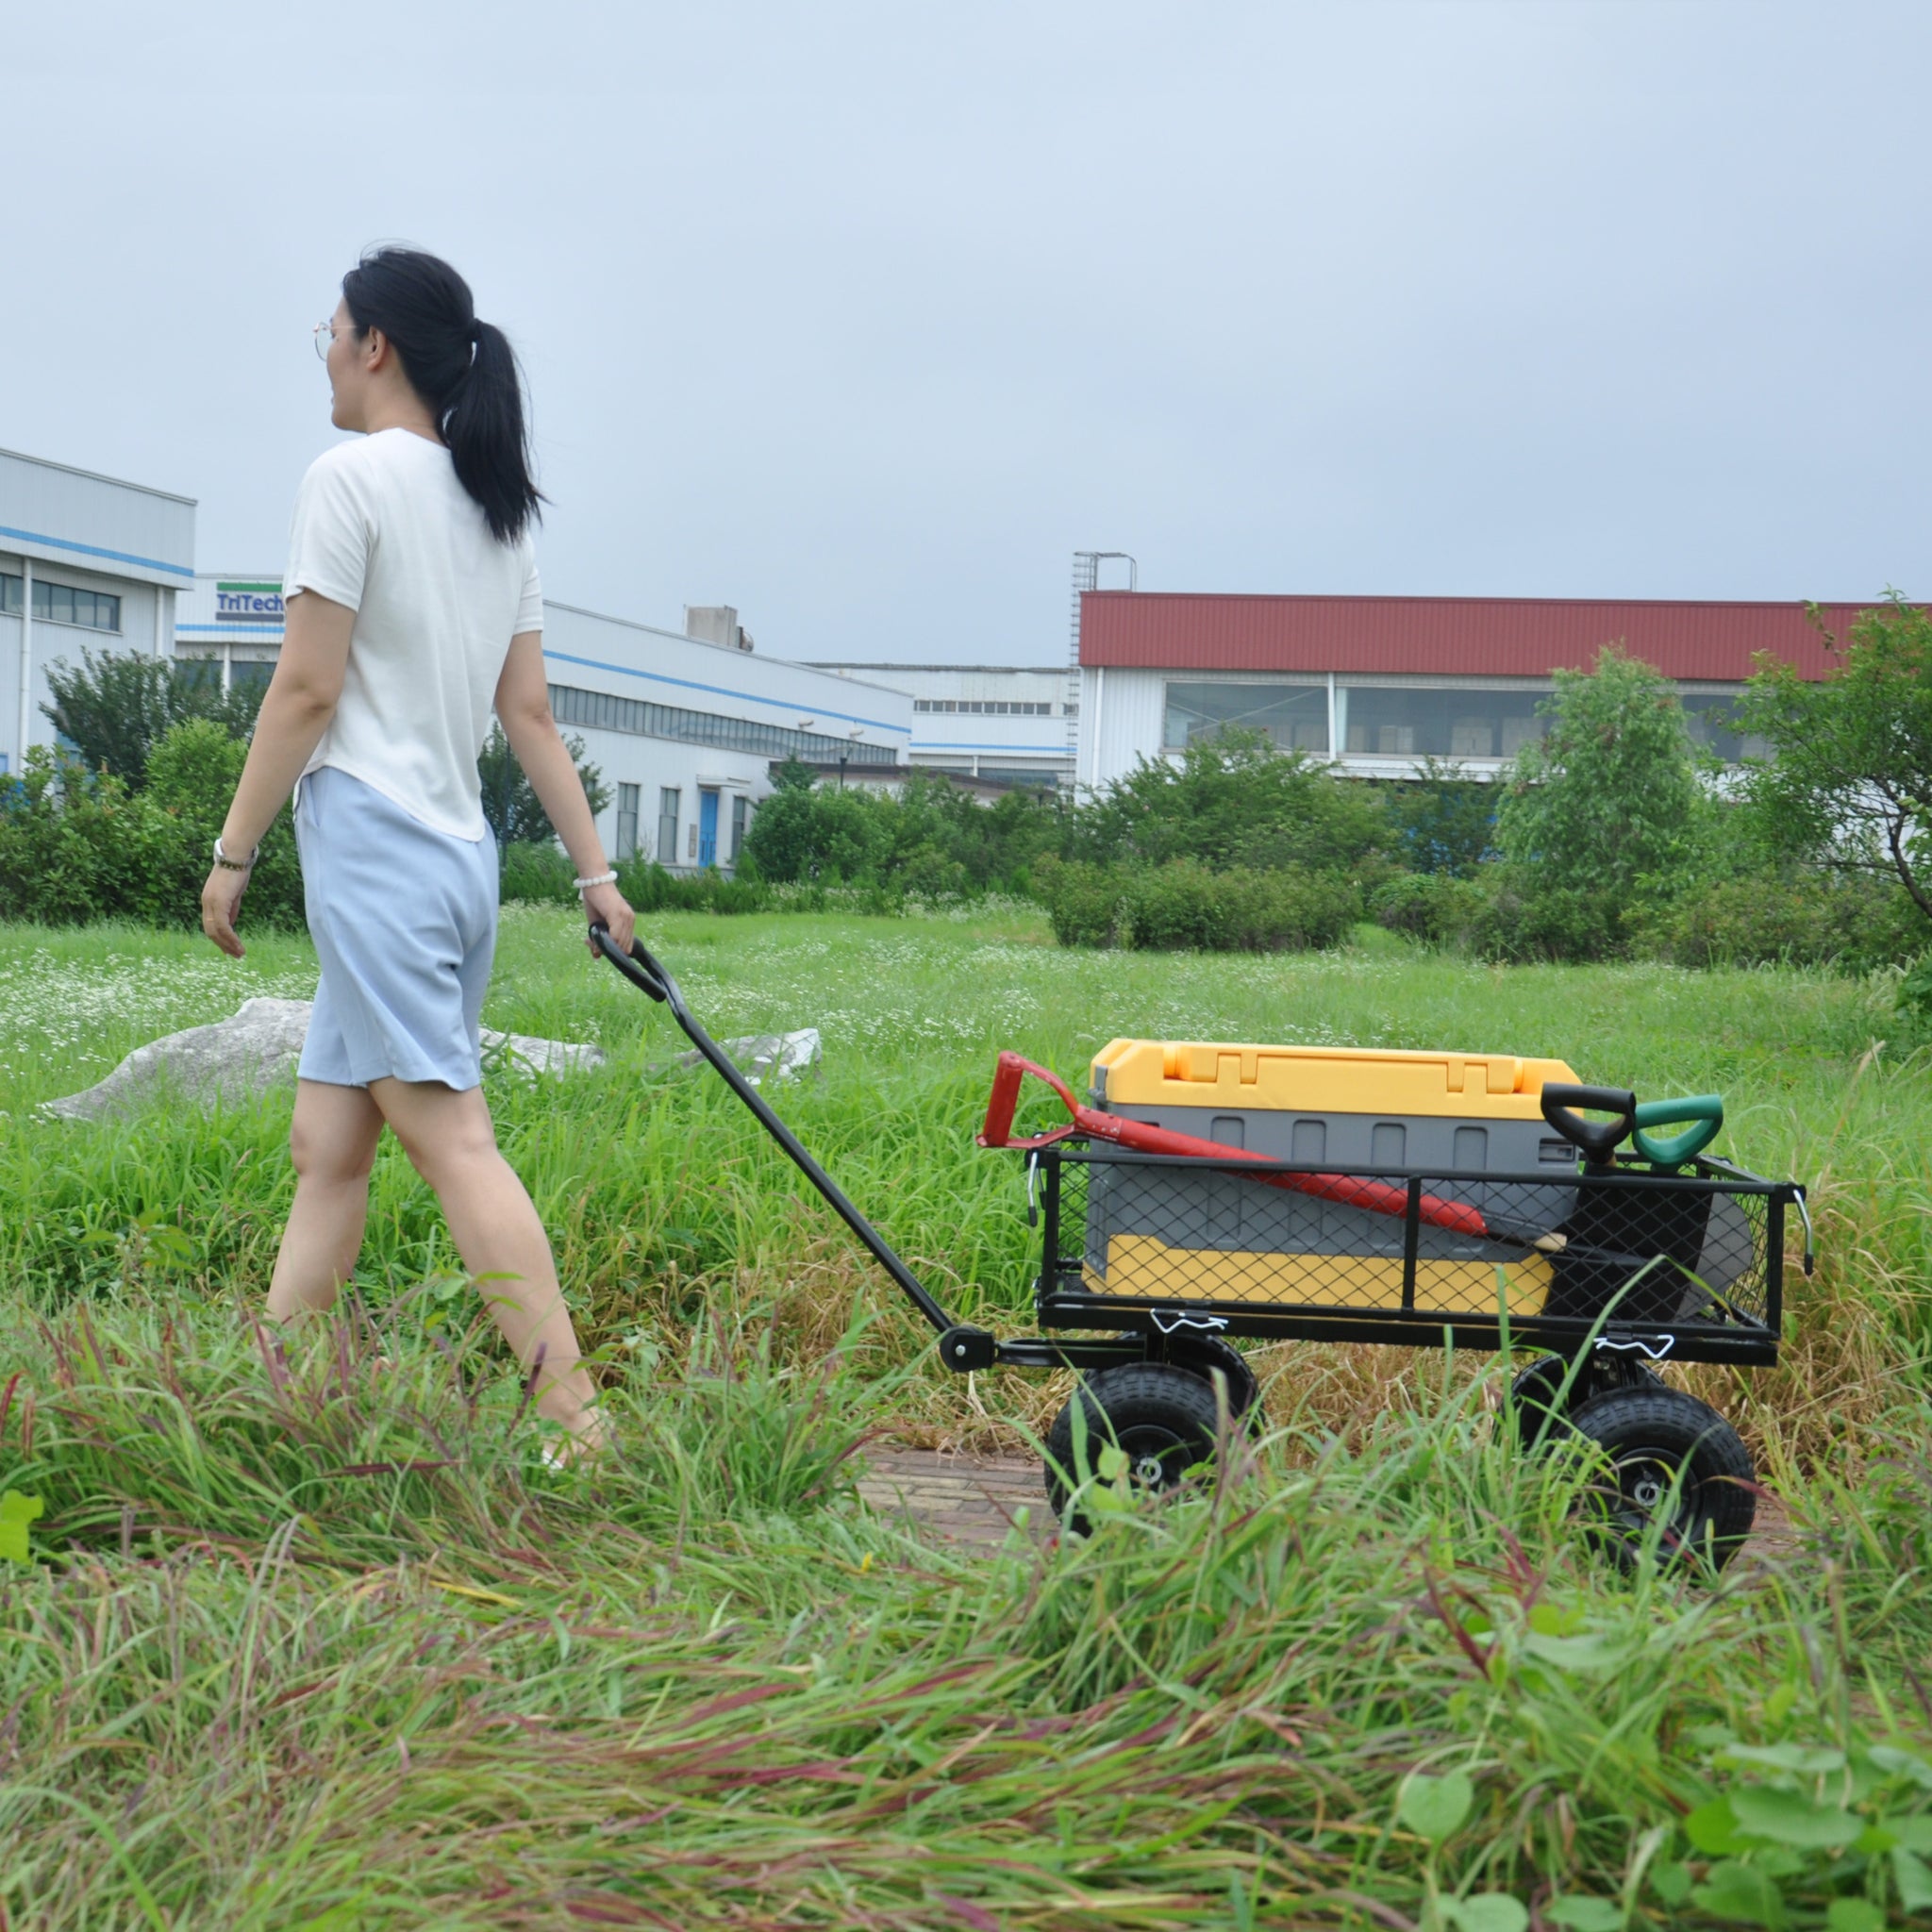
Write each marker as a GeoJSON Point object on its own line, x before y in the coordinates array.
{"type": "Point", "coordinates": [966, 1499]}
{"type": "Point", "coordinates": [973, 1500]}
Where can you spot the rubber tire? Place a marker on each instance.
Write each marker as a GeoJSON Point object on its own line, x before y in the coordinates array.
{"type": "Point", "coordinates": [1162, 1416]}
{"type": "Point", "coordinates": [1201, 1355]}
{"type": "Point", "coordinates": [1651, 1435]}
{"type": "Point", "coordinates": [1533, 1393]}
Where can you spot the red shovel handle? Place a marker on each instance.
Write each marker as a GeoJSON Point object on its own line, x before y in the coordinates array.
{"type": "Point", "coordinates": [1378, 1197]}
{"type": "Point", "coordinates": [1008, 1070]}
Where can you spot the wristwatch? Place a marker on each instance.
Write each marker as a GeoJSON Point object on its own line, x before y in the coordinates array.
{"type": "Point", "coordinates": [228, 864]}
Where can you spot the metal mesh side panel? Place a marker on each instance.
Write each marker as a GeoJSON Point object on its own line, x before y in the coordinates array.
{"type": "Point", "coordinates": [1655, 1253]}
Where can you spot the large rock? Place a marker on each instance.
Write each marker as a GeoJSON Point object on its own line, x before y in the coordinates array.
{"type": "Point", "coordinates": [240, 1059]}
{"type": "Point", "coordinates": [758, 1055]}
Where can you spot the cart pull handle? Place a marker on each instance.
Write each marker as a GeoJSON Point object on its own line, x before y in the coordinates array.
{"type": "Point", "coordinates": [1706, 1113]}
{"type": "Point", "coordinates": [1595, 1137]}
{"type": "Point", "coordinates": [643, 970]}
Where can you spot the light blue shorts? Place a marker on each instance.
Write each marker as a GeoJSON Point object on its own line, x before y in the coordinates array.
{"type": "Point", "coordinates": [404, 920]}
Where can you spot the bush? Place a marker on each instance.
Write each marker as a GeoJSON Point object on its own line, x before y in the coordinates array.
{"type": "Point", "coordinates": [650, 889]}
{"type": "Point", "coordinates": [1231, 802]}
{"type": "Point", "coordinates": [1183, 905]}
{"type": "Point", "coordinates": [1526, 919]}
{"type": "Point", "coordinates": [1442, 821]}
{"type": "Point", "coordinates": [1436, 907]}
{"type": "Point", "coordinates": [1800, 919]}
{"type": "Point", "coordinates": [534, 871]}
{"type": "Point", "coordinates": [77, 846]}
{"type": "Point", "coordinates": [118, 705]}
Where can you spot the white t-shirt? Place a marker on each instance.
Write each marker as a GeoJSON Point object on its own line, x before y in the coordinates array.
{"type": "Point", "coordinates": [383, 527]}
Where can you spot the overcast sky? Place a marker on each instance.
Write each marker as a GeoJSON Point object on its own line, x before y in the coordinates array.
{"type": "Point", "coordinates": [863, 318]}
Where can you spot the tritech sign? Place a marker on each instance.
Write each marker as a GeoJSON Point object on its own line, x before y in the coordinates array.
{"type": "Point", "coordinates": [248, 603]}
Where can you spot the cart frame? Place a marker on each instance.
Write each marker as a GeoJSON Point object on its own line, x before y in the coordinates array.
{"type": "Point", "coordinates": [1133, 1330]}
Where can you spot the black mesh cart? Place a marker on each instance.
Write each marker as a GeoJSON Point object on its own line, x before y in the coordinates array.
{"type": "Point", "coordinates": [1154, 1263]}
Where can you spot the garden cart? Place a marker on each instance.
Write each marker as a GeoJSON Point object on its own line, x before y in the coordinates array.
{"type": "Point", "coordinates": [1212, 1194]}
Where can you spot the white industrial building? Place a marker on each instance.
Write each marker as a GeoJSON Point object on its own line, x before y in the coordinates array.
{"type": "Point", "coordinates": [85, 561]}
{"type": "Point", "coordinates": [1008, 726]}
{"type": "Point", "coordinates": [1377, 687]}
{"type": "Point", "coordinates": [684, 726]}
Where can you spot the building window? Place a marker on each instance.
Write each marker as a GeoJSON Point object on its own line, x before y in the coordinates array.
{"type": "Point", "coordinates": [628, 821]}
{"type": "Point", "coordinates": [1295, 716]}
{"type": "Point", "coordinates": [1439, 721]}
{"type": "Point", "coordinates": [667, 825]}
{"type": "Point", "coordinates": [741, 818]}
{"type": "Point", "coordinates": [985, 708]}
{"type": "Point", "coordinates": [599, 710]}
{"type": "Point", "coordinates": [63, 603]}
{"type": "Point", "coordinates": [1711, 720]}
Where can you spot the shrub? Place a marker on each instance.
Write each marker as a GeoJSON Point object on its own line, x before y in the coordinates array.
{"type": "Point", "coordinates": [1083, 902]}
{"type": "Point", "coordinates": [192, 775]}
{"type": "Point", "coordinates": [1802, 919]}
{"type": "Point", "coordinates": [535, 873]}
{"type": "Point", "coordinates": [1233, 801]}
{"type": "Point", "coordinates": [117, 706]}
{"type": "Point", "coordinates": [1525, 918]}
{"type": "Point", "coordinates": [1442, 821]}
{"type": "Point", "coordinates": [1436, 907]}
{"type": "Point", "coordinates": [650, 889]}
{"type": "Point", "coordinates": [77, 846]}
{"type": "Point", "coordinates": [1183, 905]}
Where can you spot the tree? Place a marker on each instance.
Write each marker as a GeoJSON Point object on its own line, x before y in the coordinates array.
{"type": "Point", "coordinates": [1444, 821]}
{"type": "Point", "coordinates": [510, 804]}
{"type": "Point", "coordinates": [801, 833]}
{"type": "Point", "coordinates": [1849, 782]}
{"type": "Point", "coordinates": [1233, 800]}
{"type": "Point", "coordinates": [1606, 807]}
{"type": "Point", "coordinates": [115, 706]}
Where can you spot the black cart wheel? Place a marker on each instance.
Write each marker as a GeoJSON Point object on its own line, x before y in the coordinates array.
{"type": "Point", "coordinates": [1202, 1355]}
{"type": "Point", "coordinates": [1543, 1407]}
{"type": "Point", "coordinates": [1163, 1417]}
{"type": "Point", "coordinates": [1673, 1461]}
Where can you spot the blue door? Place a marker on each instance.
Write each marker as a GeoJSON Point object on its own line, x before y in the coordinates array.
{"type": "Point", "coordinates": [708, 829]}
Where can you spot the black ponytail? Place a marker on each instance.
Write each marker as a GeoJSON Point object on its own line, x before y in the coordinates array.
{"type": "Point", "coordinates": [462, 368]}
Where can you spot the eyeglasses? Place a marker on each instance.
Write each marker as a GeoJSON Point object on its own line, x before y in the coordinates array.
{"type": "Point", "coordinates": [324, 335]}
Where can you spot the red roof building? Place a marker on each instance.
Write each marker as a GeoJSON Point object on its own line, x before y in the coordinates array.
{"type": "Point", "coordinates": [1378, 684]}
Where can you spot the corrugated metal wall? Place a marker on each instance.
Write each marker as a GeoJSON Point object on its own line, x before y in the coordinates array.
{"type": "Point", "coordinates": [74, 516]}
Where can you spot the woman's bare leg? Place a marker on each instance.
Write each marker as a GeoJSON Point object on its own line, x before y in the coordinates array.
{"type": "Point", "coordinates": [333, 1139]}
{"type": "Point", "coordinates": [451, 1143]}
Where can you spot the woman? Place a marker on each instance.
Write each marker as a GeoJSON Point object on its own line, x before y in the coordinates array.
{"type": "Point", "coordinates": [412, 607]}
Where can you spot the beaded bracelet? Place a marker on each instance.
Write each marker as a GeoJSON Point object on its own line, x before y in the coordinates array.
{"type": "Point", "coordinates": [603, 878]}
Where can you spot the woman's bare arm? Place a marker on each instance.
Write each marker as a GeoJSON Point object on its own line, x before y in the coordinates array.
{"type": "Point", "coordinates": [523, 707]}
{"type": "Point", "coordinates": [295, 711]}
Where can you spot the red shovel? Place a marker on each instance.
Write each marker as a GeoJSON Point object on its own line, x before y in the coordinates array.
{"type": "Point", "coordinates": [1378, 1197]}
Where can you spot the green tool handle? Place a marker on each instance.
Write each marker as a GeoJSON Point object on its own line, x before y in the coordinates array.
{"type": "Point", "coordinates": [1706, 1113]}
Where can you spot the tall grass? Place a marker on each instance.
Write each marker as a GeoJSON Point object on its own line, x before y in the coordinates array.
{"type": "Point", "coordinates": [312, 1636]}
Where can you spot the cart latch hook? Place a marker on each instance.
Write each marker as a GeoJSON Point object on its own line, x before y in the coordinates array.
{"type": "Point", "coordinates": [1655, 1352]}
{"type": "Point", "coordinates": [1168, 1323]}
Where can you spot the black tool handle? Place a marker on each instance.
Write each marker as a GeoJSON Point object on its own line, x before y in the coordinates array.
{"type": "Point", "coordinates": [1595, 1137]}
{"type": "Point", "coordinates": [643, 970]}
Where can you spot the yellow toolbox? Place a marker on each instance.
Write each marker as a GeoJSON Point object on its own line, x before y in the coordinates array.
{"type": "Point", "coordinates": [1456, 1118]}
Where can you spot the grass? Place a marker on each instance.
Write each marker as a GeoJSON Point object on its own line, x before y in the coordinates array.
{"type": "Point", "coordinates": [311, 1636]}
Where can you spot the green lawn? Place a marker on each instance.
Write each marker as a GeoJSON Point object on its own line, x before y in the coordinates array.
{"type": "Point", "coordinates": [319, 1641]}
